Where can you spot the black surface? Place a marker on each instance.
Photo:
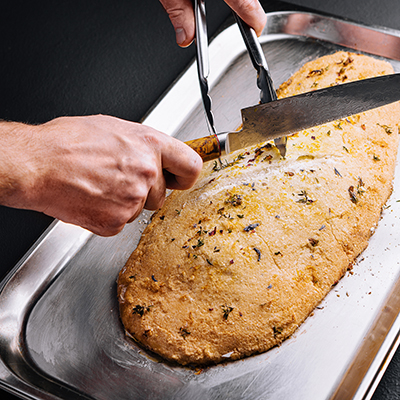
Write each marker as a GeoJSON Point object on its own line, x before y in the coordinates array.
{"type": "Point", "coordinates": [113, 57]}
{"type": "Point", "coordinates": [79, 58]}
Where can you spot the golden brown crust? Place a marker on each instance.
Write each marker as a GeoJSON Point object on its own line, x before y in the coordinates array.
{"type": "Point", "coordinates": [233, 266]}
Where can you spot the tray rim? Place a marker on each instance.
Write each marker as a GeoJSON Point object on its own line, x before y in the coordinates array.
{"type": "Point", "coordinates": [12, 383]}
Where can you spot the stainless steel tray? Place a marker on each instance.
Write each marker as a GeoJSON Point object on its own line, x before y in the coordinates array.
{"type": "Point", "coordinates": [60, 333]}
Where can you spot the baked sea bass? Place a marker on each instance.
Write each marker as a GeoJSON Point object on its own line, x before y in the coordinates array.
{"type": "Point", "coordinates": [233, 266]}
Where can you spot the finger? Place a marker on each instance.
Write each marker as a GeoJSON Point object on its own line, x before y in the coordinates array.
{"type": "Point", "coordinates": [181, 14]}
{"type": "Point", "coordinates": [181, 163]}
{"type": "Point", "coordinates": [251, 12]}
{"type": "Point", "coordinates": [156, 196]}
{"type": "Point", "coordinates": [136, 212]}
{"type": "Point", "coordinates": [103, 231]}
{"type": "Point", "coordinates": [105, 224]}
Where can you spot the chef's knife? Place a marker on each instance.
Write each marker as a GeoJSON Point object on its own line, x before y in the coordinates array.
{"type": "Point", "coordinates": [292, 114]}
{"type": "Point", "coordinates": [264, 80]}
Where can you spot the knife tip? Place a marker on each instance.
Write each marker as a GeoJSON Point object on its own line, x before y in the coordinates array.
{"type": "Point", "coordinates": [281, 146]}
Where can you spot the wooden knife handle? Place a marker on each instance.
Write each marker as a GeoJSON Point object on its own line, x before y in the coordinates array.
{"type": "Point", "coordinates": [207, 147]}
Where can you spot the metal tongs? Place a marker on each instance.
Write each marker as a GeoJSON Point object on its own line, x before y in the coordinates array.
{"type": "Point", "coordinates": [203, 66]}
{"type": "Point", "coordinates": [264, 80]}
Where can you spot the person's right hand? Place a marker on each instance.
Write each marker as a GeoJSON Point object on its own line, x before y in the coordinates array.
{"type": "Point", "coordinates": [98, 172]}
{"type": "Point", "coordinates": [181, 14]}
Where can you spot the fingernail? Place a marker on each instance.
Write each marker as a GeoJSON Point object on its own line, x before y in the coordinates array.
{"type": "Point", "coordinates": [180, 36]}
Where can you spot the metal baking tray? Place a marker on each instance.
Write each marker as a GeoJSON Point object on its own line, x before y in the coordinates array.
{"type": "Point", "coordinates": [61, 337]}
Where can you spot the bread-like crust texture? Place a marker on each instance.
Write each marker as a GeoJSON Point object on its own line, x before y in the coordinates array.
{"type": "Point", "coordinates": [233, 266]}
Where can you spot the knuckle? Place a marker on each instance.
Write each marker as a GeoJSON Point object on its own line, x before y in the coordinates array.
{"type": "Point", "coordinates": [104, 229]}
{"type": "Point", "coordinates": [110, 222]}
{"type": "Point", "coordinates": [149, 172]}
{"type": "Point", "coordinates": [174, 9]}
{"type": "Point", "coordinates": [136, 176]}
{"type": "Point", "coordinates": [175, 13]}
{"type": "Point", "coordinates": [115, 224]}
{"type": "Point", "coordinates": [153, 139]}
{"type": "Point", "coordinates": [160, 202]}
{"type": "Point", "coordinates": [112, 231]}
{"type": "Point", "coordinates": [155, 203]}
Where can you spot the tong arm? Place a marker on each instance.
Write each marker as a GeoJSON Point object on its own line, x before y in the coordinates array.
{"type": "Point", "coordinates": [203, 67]}
{"type": "Point", "coordinates": [264, 80]}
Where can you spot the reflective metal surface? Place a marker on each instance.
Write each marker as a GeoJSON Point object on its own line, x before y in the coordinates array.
{"type": "Point", "coordinates": [293, 114]}
{"type": "Point", "coordinates": [61, 337]}
{"type": "Point", "coordinates": [203, 67]}
{"type": "Point", "coordinates": [264, 80]}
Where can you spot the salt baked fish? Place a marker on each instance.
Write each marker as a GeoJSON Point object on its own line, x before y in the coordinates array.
{"type": "Point", "coordinates": [233, 266]}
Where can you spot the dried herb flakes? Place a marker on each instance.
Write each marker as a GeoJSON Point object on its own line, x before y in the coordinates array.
{"type": "Point", "coordinates": [226, 311]}
{"type": "Point", "coordinates": [251, 227]}
{"type": "Point", "coordinates": [141, 310]}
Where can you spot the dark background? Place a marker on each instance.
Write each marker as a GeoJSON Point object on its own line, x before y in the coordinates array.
{"type": "Point", "coordinates": [70, 57]}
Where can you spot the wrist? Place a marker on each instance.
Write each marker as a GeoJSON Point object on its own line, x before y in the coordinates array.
{"type": "Point", "coordinates": [18, 170]}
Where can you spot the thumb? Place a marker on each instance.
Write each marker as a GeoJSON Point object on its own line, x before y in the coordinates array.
{"type": "Point", "coordinates": [181, 14]}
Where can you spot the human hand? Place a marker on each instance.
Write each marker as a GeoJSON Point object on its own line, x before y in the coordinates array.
{"type": "Point", "coordinates": [181, 14]}
{"type": "Point", "coordinates": [98, 172]}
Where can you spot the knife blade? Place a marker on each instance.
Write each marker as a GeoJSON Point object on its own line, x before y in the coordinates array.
{"type": "Point", "coordinates": [286, 116]}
